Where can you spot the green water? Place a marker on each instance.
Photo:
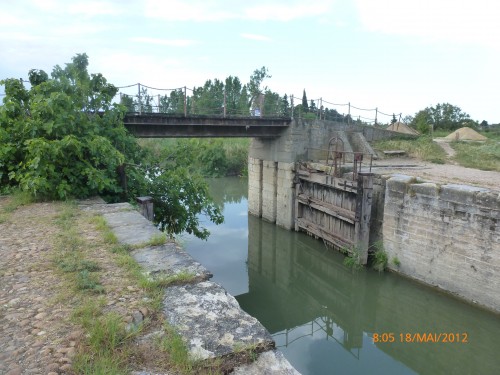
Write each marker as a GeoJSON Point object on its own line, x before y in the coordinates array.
{"type": "Point", "coordinates": [324, 316]}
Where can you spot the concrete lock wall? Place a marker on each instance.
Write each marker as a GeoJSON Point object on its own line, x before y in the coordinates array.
{"type": "Point", "coordinates": [447, 236]}
{"type": "Point", "coordinates": [271, 163]}
{"type": "Point", "coordinates": [271, 191]}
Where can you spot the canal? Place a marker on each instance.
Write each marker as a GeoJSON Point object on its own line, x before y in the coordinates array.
{"type": "Point", "coordinates": [328, 319]}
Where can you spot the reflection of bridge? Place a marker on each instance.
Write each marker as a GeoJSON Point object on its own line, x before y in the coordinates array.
{"type": "Point", "coordinates": [159, 125]}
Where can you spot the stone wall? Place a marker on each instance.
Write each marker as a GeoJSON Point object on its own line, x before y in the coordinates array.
{"type": "Point", "coordinates": [447, 236]}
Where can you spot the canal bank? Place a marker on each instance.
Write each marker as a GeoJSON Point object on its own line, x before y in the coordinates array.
{"type": "Point", "coordinates": [209, 320]}
{"type": "Point", "coordinates": [323, 316]}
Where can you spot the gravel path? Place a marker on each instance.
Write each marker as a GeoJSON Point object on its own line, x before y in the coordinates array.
{"type": "Point", "coordinates": [34, 338]}
{"type": "Point", "coordinates": [37, 335]}
{"type": "Point", "coordinates": [441, 173]}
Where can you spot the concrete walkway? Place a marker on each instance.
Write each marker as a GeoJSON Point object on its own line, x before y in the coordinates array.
{"type": "Point", "coordinates": [209, 319]}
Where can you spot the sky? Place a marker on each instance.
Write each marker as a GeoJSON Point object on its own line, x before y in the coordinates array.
{"type": "Point", "coordinates": [397, 56]}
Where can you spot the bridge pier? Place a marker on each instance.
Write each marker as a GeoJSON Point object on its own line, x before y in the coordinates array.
{"type": "Point", "coordinates": [271, 191]}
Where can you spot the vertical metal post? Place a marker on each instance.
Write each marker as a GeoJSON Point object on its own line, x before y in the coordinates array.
{"type": "Point", "coordinates": [159, 104]}
{"type": "Point", "coordinates": [321, 108]}
{"type": "Point", "coordinates": [261, 104]}
{"type": "Point", "coordinates": [349, 115]}
{"type": "Point", "coordinates": [185, 102]}
{"type": "Point", "coordinates": [139, 96]}
{"type": "Point", "coordinates": [224, 102]}
{"type": "Point", "coordinates": [376, 115]}
{"type": "Point", "coordinates": [291, 103]}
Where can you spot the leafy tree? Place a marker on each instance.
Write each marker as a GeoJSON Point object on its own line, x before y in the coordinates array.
{"type": "Point", "coordinates": [176, 189]}
{"type": "Point", "coordinates": [393, 120]}
{"type": "Point", "coordinates": [64, 137]}
{"type": "Point", "coordinates": [55, 144]}
{"type": "Point", "coordinates": [442, 116]}
{"type": "Point", "coordinates": [173, 103]}
{"type": "Point", "coordinates": [256, 79]}
{"type": "Point", "coordinates": [421, 122]}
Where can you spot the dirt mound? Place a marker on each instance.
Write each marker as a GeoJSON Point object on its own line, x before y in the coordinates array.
{"type": "Point", "coordinates": [402, 128]}
{"type": "Point", "coordinates": [466, 133]}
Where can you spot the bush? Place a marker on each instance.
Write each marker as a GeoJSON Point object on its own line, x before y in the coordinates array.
{"type": "Point", "coordinates": [55, 141]}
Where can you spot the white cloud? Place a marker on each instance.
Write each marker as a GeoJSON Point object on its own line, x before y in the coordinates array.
{"type": "Point", "coordinates": [256, 37]}
{"type": "Point", "coordinates": [95, 8]}
{"type": "Point", "coordinates": [473, 22]}
{"type": "Point", "coordinates": [287, 11]}
{"type": "Point", "coordinates": [210, 10]}
{"type": "Point", "coordinates": [165, 42]}
{"type": "Point", "coordinates": [182, 10]}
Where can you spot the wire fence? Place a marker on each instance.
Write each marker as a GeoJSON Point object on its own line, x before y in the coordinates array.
{"type": "Point", "coordinates": [142, 98]}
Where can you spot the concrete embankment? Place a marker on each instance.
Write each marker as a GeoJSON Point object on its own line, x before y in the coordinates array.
{"type": "Point", "coordinates": [209, 320]}
{"type": "Point", "coordinates": [445, 235]}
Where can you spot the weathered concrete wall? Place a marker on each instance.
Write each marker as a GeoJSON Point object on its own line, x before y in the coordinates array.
{"type": "Point", "coordinates": [271, 192]}
{"type": "Point", "coordinates": [447, 236]}
{"type": "Point", "coordinates": [271, 165]}
{"type": "Point", "coordinates": [255, 186]}
{"type": "Point", "coordinates": [286, 195]}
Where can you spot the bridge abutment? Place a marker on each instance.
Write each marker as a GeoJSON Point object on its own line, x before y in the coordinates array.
{"type": "Point", "coordinates": [271, 191]}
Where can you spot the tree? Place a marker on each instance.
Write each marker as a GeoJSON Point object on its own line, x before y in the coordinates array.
{"type": "Point", "coordinates": [305, 107]}
{"type": "Point", "coordinates": [256, 79]}
{"type": "Point", "coordinates": [54, 142]}
{"type": "Point", "coordinates": [421, 121]}
{"type": "Point", "coordinates": [64, 138]}
{"type": "Point", "coordinates": [442, 116]}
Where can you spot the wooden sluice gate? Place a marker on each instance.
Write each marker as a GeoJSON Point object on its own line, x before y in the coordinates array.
{"type": "Point", "coordinates": [333, 206]}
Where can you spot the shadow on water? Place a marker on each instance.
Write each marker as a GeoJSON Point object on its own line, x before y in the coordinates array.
{"type": "Point", "coordinates": [323, 316]}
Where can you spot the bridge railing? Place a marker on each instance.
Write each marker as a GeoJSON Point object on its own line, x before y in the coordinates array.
{"type": "Point", "coordinates": [184, 101]}
{"type": "Point", "coordinates": [141, 98]}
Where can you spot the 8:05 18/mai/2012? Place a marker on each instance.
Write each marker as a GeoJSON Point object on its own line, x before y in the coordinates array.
{"type": "Point", "coordinates": [428, 337]}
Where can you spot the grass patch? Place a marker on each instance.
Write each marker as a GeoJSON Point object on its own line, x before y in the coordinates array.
{"type": "Point", "coordinates": [396, 261]}
{"type": "Point", "coordinates": [422, 148]}
{"type": "Point", "coordinates": [478, 155]}
{"type": "Point", "coordinates": [18, 198]}
{"type": "Point", "coordinates": [88, 281]}
{"type": "Point", "coordinates": [103, 350]}
{"type": "Point", "coordinates": [151, 284]}
{"type": "Point", "coordinates": [15, 200]}
{"type": "Point", "coordinates": [172, 343]}
{"type": "Point", "coordinates": [157, 240]}
{"type": "Point", "coordinates": [380, 257]}
{"type": "Point", "coordinates": [353, 259]}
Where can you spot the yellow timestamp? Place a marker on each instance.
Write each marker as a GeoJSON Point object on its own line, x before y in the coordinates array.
{"type": "Point", "coordinates": [421, 337]}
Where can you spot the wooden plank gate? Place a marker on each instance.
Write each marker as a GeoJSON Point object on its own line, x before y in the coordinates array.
{"type": "Point", "coordinates": [335, 209]}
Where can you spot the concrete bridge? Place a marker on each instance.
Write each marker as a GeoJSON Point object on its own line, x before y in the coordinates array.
{"type": "Point", "coordinates": [281, 191]}
{"type": "Point", "coordinates": [160, 125]}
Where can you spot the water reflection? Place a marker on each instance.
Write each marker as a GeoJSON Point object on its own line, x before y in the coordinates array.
{"type": "Point", "coordinates": [323, 316]}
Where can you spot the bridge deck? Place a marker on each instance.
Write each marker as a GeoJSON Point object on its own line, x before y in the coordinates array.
{"type": "Point", "coordinates": [158, 125]}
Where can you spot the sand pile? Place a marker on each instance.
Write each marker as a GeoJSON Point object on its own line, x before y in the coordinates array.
{"type": "Point", "coordinates": [402, 128]}
{"type": "Point", "coordinates": [467, 134]}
